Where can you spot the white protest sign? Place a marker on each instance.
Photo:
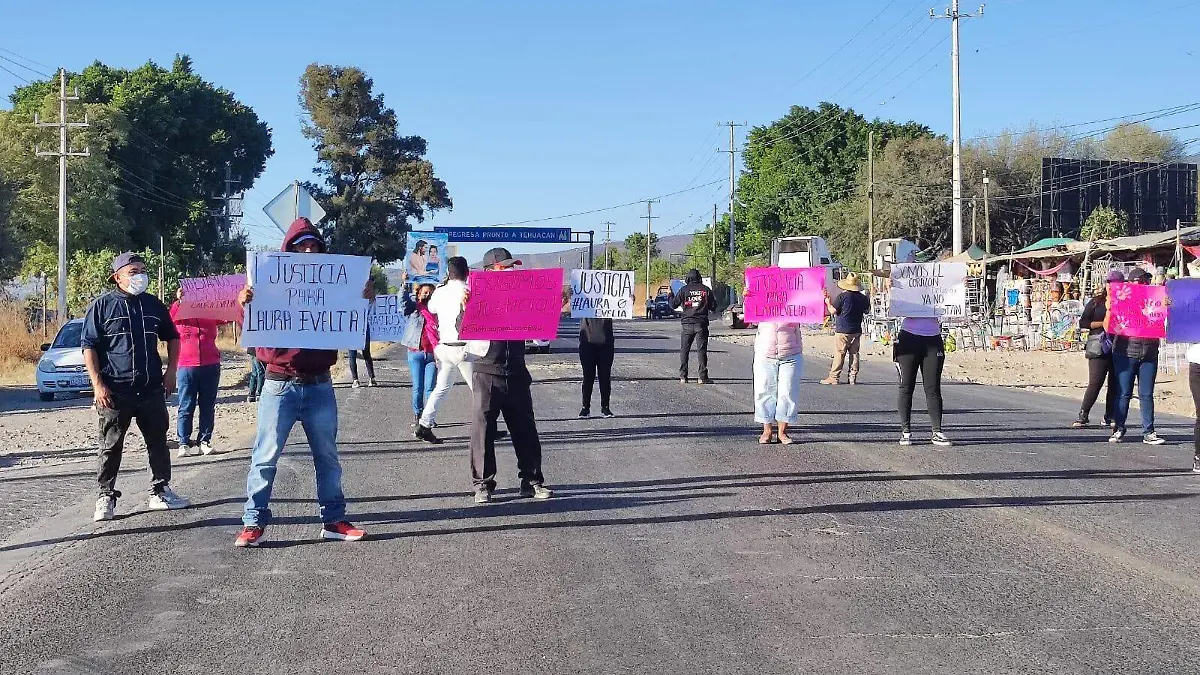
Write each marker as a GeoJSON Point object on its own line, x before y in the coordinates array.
{"type": "Point", "coordinates": [387, 319]}
{"type": "Point", "coordinates": [306, 300]}
{"type": "Point", "coordinates": [601, 294]}
{"type": "Point", "coordinates": [928, 290]}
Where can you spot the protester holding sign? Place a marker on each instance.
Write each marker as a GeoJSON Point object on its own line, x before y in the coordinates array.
{"type": "Point", "coordinates": [921, 289]}
{"type": "Point", "coordinates": [597, 348]}
{"type": "Point", "coordinates": [1098, 351]}
{"type": "Point", "coordinates": [778, 367]}
{"type": "Point", "coordinates": [298, 387]}
{"type": "Point", "coordinates": [601, 294]}
{"type": "Point", "coordinates": [446, 307]}
{"type": "Point", "coordinates": [421, 339]}
{"type": "Point", "coordinates": [1137, 317]}
{"type": "Point", "coordinates": [697, 302]}
{"type": "Point", "coordinates": [198, 379]}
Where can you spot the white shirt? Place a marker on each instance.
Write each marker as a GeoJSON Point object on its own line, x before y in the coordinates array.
{"type": "Point", "coordinates": [446, 303]}
{"type": "Point", "coordinates": [1193, 353]}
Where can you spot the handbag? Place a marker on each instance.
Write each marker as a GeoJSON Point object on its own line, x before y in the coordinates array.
{"type": "Point", "coordinates": [1097, 346]}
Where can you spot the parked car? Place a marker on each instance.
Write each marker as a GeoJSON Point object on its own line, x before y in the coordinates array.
{"type": "Point", "coordinates": [537, 346]}
{"type": "Point", "coordinates": [61, 368]}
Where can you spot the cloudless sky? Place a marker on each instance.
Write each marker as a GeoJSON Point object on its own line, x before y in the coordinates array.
{"type": "Point", "coordinates": [538, 108]}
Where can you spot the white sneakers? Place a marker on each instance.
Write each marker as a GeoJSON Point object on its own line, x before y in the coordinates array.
{"type": "Point", "coordinates": [106, 508]}
{"type": "Point", "coordinates": [167, 500]}
{"type": "Point", "coordinates": [205, 448]}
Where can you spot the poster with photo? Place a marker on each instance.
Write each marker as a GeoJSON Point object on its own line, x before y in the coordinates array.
{"type": "Point", "coordinates": [425, 262]}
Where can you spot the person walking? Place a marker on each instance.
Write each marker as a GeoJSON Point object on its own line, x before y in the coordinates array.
{"type": "Point", "coordinates": [298, 389]}
{"type": "Point", "coordinates": [352, 360]}
{"type": "Point", "coordinates": [778, 367]}
{"type": "Point", "coordinates": [502, 387]}
{"type": "Point", "coordinates": [421, 338]}
{"type": "Point", "coordinates": [597, 348]}
{"type": "Point", "coordinates": [257, 377]}
{"type": "Point", "coordinates": [697, 302]}
{"type": "Point", "coordinates": [1134, 358]}
{"type": "Point", "coordinates": [120, 336]}
{"type": "Point", "coordinates": [1098, 351]}
{"type": "Point", "coordinates": [450, 353]}
{"type": "Point", "coordinates": [848, 311]}
{"type": "Point", "coordinates": [198, 379]}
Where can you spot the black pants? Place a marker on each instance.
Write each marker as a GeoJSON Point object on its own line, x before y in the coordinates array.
{"type": "Point", "coordinates": [596, 360]}
{"type": "Point", "coordinates": [494, 395]}
{"type": "Point", "coordinates": [352, 356]}
{"type": "Point", "coordinates": [927, 354]}
{"type": "Point", "coordinates": [150, 411]}
{"type": "Point", "coordinates": [1100, 374]}
{"type": "Point", "coordinates": [698, 333]}
{"type": "Point", "coordinates": [1194, 382]}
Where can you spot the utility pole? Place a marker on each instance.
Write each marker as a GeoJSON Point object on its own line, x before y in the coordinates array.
{"type": "Point", "coordinates": [974, 208]}
{"type": "Point", "coordinates": [954, 15]}
{"type": "Point", "coordinates": [607, 240]}
{"type": "Point", "coordinates": [713, 255]}
{"type": "Point", "coordinates": [987, 223]}
{"type": "Point", "coordinates": [732, 182]}
{"type": "Point", "coordinates": [162, 264]}
{"type": "Point", "coordinates": [63, 153]}
{"type": "Point", "coordinates": [649, 219]}
{"type": "Point", "coordinates": [870, 200]}
{"type": "Point", "coordinates": [45, 298]}
{"type": "Point", "coordinates": [226, 215]}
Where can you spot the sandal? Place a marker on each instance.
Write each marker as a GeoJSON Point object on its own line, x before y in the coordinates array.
{"type": "Point", "coordinates": [785, 439]}
{"type": "Point", "coordinates": [766, 439]}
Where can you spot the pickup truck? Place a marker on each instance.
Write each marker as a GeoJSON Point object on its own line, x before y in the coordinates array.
{"type": "Point", "coordinates": [660, 306]}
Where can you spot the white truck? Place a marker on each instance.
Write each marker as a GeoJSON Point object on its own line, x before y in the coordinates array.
{"type": "Point", "coordinates": [803, 251]}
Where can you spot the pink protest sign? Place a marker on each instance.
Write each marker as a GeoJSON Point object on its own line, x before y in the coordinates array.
{"type": "Point", "coordinates": [1137, 310]}
{"type": "Point", "coordinates": [211, 298]}
{"type": "Point", "coordinates": [785, 294]}
{"type": "Point", "coordinates": [517, 305]}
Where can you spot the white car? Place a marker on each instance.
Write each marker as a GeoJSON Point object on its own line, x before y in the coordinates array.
{"type": "Point", "coordinates": [61, 368]}
{"type": "Point", "coordinates": [537, 346]}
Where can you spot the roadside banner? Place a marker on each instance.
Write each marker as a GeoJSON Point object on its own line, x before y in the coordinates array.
{"type": "Point", "coordinates": [601, 294]}
{"type": "Point", "coordinates": [1137, 310]}
{"type": "Point", "coordinates": [211, 298]}
{"type": "Point", "coordinates": [785, 295]}
{"type": "Point", "coordinates": [386, 318]}
{"type": "Point", "coordinates": [426, 259]}
{"type": "Point", "coordinates": [928, 290]}
{"type": "Point", "coordinates": [514, 305]}
{"type": "Point", "coordinates": [1183, 316]}
{"type": "Point", "coordinates": [306, 300]}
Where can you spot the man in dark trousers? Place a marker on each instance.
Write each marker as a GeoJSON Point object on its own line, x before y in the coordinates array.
{"type": "Point", "coordinates": [120, 339]}
{"type": "Point", "coordinates": [697, 302]}
{"type": "Point", "coordinates": [500, 385]}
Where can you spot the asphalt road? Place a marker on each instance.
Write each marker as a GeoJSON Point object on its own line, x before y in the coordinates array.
{"type": "Point", "coordinates": [675, 544]}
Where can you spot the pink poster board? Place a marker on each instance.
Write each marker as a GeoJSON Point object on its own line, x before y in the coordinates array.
{"type": "Point", "coordinates": [785, 295]}
{"type": "Point", "coordinates": [1137, 310]}
{"type": "Point", "coordinates": [517, 305]}
{"type": "Point", "coordinates": [211, 298]}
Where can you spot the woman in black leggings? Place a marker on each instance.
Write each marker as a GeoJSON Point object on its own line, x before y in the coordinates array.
{"type": "Point", "coordinates": [919, 347]}
{"type": "Point", "coordinates": [1100, 368]}
{"type": "Point", "coordinates": [596, 350]}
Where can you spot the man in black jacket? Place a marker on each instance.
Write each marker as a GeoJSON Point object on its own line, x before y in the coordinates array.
{"type": "Point", "coordinates": [500, 385]}
{"type": "Point", "coordinates": [697, 302]}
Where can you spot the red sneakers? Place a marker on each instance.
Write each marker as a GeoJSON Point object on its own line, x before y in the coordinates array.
{"type": "Point", "coordinates": [249, 536]}
{"type": "Point", "coordinates": [343, 531]}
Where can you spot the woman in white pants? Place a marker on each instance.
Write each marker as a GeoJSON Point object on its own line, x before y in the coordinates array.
{"type": "Point", "coordinates": [778, 367]}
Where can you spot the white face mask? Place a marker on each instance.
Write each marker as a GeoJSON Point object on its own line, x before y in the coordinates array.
{"type": "Point", "coordinates": [138, 283]}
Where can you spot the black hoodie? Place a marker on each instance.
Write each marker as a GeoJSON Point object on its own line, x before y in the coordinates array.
{"type": "Point", "coordinates": [696, 300]}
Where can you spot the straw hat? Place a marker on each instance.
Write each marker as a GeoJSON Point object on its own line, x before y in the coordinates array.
{"type": "Point", "coordinates": [850, 283]}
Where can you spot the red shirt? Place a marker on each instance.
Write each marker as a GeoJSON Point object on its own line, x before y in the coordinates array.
{"type": "Point", "coordinates": [197, 340]}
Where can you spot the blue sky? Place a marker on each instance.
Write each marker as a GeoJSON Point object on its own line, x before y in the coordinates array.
{"type": "Point", "coordinates": [535, 109]}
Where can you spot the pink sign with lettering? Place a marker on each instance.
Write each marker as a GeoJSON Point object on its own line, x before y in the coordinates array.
{"type": "Point", "coordinates": [516, 305]}
{"type": "Point", "coordinates": [211, 298]}
{"type": "Point", "coordinates": [1137, 311]}
{"type": "Point", "coordinates": [785, 295]}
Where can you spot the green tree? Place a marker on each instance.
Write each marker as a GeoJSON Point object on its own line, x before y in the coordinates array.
{"type": "Point", "coordinates": [1104, 223]}
{"type": "Point", "coordinates": [375, 182]}
{"type": "Point", "coordinates": [1138, 142]}
{"type": "Point", "coordinates": [634, 254]}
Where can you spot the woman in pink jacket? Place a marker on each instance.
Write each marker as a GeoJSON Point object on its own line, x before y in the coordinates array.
{"type": "Point", "coordinates": [197, 379]}
{"type": "Point", "coordinates": [778, 366]}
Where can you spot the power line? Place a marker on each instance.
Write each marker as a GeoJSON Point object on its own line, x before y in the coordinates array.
{"type": "Point", "coordinates": [26, 58]}
{"type": "Point", "coordinates": [602, 210]}
{"type": "Point", "coordinates": [845, 44]}
{"type": "Point", "coordinates": [22, 65]}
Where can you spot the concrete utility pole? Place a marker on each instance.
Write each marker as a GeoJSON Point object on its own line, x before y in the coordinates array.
{"type": "Point", "coordinates": [607, 239]}
{"type": "Point", "coordinates": [162, 265]}
{"type": "Point", "coordinates": [870, 200]}
{"type": "Point", "coordinates": [713, 255]}
{"type": "Point", "coordinates": [954, 15]}
{"type": "Point", "coordinates": [987, 223]}
{"type": "Point", "coordinates": [63, 153]}
{"type": "Point", "coordinates": [649, 218]}
{"type": "Point", "coordinates": [732, 182]}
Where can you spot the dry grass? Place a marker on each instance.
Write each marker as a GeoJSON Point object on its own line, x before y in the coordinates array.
{"type": "Point", "coordinates": [19, 348]}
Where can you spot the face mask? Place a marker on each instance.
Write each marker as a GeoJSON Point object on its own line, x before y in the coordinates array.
{"type": "Point", "coordinates": [138, 283]}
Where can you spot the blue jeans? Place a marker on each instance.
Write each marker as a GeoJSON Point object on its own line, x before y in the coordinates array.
{"type": "Point", "coordinates": [197, 387]}
{"type": "Point", "coordinates": [423, 368]}
{"type": "Point", "coordinates": [1126, 369]}
{"type": "Point", "coordinates": [258, 377]}
{"type": "Point", "coordinates": [281, 406]}
{"type": "Point", "coordinates": [777, 389]}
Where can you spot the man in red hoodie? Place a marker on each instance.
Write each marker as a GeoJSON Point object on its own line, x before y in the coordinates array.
{"type": "Point", "coordinates": [298, 389]}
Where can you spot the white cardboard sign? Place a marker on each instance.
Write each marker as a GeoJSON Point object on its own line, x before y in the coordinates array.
{"type": "Point", "coordinates": [601, 294]}
{"type": "Point", "coordinates": [928, 290]}
{"type": "Point", "coordinates": [306, 300]}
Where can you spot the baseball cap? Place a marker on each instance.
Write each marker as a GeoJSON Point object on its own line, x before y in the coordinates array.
{"type": "Point", "coordinates": [499, 256]}
{"type": "Point", "coordinates": [1114, 275]}
{"type": "Point", "coordinates": [126, 258]}
{"type": "Point", "coordinates": [1138, 274]}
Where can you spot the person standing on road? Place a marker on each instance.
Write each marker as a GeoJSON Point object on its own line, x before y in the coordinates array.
{"type": "Point", "coordinates": [198, 379]}
{"type": "Point", "coordinates": [298, 389]}
{"type": "Point", "coordinates": [919, 347]}
{"type": "Point", "coordinates": [502, 386]}
{"type": "Point", "coordinates": [446, 306]}
{"type": "Point", "coordinates": [1099, 356]}
{"type": "Point", "coordinates": [778, 367]}
{"type": "Point", "coordinates": [697, 302]}
{"type": "Point", "coordinates": [597, 347]}
{"type": "Point", "coordinates": [421, 338]}
{"type": "Point", "coordinates": [1134, 358]}
{"type": "Point", "coordinates": [847, 310]}
{"type": "Point", "coordinates": [120, 337]}
{"type": "Point", "coordinates": [352, 359]}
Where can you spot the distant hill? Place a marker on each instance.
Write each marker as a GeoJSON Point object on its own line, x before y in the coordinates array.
{"type": "Point", "coordinates": [570, 257]}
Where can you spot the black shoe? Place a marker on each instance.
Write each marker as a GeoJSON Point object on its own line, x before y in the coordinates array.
{"type": "Point", "coordinates": [605, 412]}
{"type": "Point", "coordinates": [585, 412]}
{"type": "Point", "coordinates": [536, 490]}
{"type": "Point", "coordinates": [1196, 464]}
{"type": "Point", "coordinates": [424, 433]}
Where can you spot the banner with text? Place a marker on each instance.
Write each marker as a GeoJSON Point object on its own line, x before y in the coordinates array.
{"type": "Point", "coordinates": [386, 318]}
{"type": "Point", "coordinates": [785, 295]}
{"type": "Point", "coordinates": [928, 290]}
{"type": "Point", "coordinates": [426, 259]}
{"type": "Point", "coordinates": [1183, 316]}
{"type": "Point", "coordinates": [211, 298]}
{"type": "Point", "coordinates": [306, 300]}
{"type": "Point", "coordinates": [516, 305]}
{"type": "Point", "coordinates": [1137, 311]}
{"type": "Point", "coordinates": [601, 294]}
